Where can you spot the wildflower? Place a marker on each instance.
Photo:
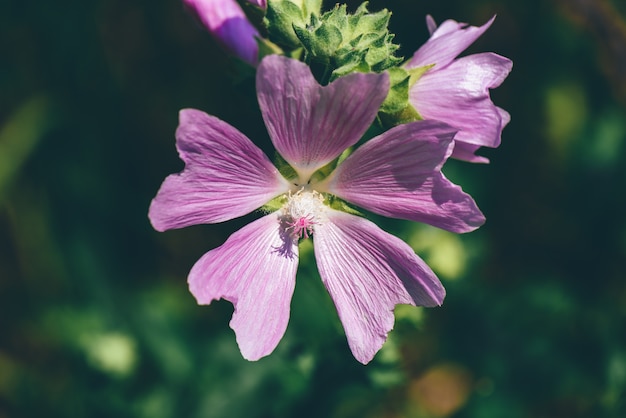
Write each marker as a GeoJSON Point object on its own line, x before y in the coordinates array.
{"type": "Point", "coordinates": [456, 90]}
{"type": "Point", "coordinates": [228, 23]}
{"type": "Point", "coordinates": [366, 270]}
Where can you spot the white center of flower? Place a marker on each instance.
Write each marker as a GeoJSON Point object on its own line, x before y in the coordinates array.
{"type": "Point", "coordinates": [303, 211]}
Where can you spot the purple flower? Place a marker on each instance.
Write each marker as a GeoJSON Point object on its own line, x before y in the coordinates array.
{"type": "Point", "coordinates": [225, 20]}
{"type": "Point", "coordinates": [456, 90]}
{"type": "Point", "coordinates": [366, 270]}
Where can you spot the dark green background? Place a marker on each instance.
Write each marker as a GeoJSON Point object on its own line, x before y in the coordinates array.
{"type": "Point", "coordinates": [95, 316]}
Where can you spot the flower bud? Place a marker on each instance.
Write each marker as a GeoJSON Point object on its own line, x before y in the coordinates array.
{"type": "Point", "coordinates": [227, 22]}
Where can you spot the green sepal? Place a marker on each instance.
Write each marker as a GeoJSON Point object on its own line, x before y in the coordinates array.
{"type": "Point", "coordinates": [321, 43]}
{"type": "Point", "coordinates": [370, 22]}
{"type": "Point", "coordinates": [282, 15]}
{"type": "Point", "coordinates": [338, 204]}
{"type": "Point", "coordinates": [338, 43]}
{"type": "Point", "coordinates": [344, 155]}
{"type": "Point", "coordinates": [417, 73]}
{"type": "Point", "coordinates": [406, 115]}
{"type": "Point", "coordinates": [288, 173]}
{"type": "Point", "coordinates": [310, 7]}
{"type": "Point", "coordinates": [368, 44]}
{"type": "Point", "coordinates": [286, 170]}
{"type": "Point", "coordinates": [397, 109]}
{"type": "Point", "coordinates": [323, 172]}
{"type": "Point", "coordinates": [398, 96]}
{"type": "Point", "coordinates": [274, 204]}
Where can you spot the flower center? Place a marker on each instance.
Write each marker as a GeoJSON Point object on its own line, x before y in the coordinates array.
{"type": "Point", "coordinates": [303, 210]}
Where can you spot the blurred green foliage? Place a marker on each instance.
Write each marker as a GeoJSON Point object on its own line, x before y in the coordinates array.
{"type": "Point", "coordinates": [95, 317]}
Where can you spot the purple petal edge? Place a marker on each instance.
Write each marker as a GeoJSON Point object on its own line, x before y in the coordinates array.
{"type": "Point", "coordinates": [398, 174]}
{"type": "Point", "coordinates": [459, 95]}
{"type": "Point", "coordinates": [367, 273]}
{"type": "Point", "coordinates": [446, 43]}
{"type": "Point", "coordinates": [225, 176]}
{"type": "Point", "coordinates": [309, 124]}
{"type": "Point", "coordinates": [255, 269]}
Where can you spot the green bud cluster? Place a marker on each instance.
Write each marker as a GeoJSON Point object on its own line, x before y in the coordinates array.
{"type": "Point", "coordinates": [336, 43]}
{"type": "Point", "coordinates": [283, 15]}
{"type": "Point", "coordinates": [341, 43]}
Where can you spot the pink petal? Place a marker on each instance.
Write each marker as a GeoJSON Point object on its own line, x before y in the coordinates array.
{"type": "Point", "coordinates": [431, 24]}
{"type": "Point", "coordinates": [225, 20]}
{"type": "Point", "coordinates": [367, 273]}
{"type": "Point", "coordinates": [225, 176]}
{"type": "Point", "coordinates": [255, 269]}
{"type": "Point", "coordinates": [466, 152]}
{"type": "Point", "coordinates": [446, 43]}
{"type": "Point", "coordinates": [459, 96]}
{"type": "Point", "coordinates": [398, 174]}
{"type": "Point", "coordinates": [311, 125]}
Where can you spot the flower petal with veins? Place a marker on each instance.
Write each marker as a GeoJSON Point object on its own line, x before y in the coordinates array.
{"type": "Point", "coordinates": [398, 174]}
{"type": "Point", "coordinates": [367, 273]}
{"type": "Point", "coordinates": [255, 269]}
{"type": "Point", "coordinates": [225, 176]}
{"type": "Point", "coordinates": [456, 90]}
{"type": "Point", "coordinates": [309, 124]}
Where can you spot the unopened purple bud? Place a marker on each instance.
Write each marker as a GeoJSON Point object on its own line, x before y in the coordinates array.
{"type": "Point", "coordinates": [227, 22]}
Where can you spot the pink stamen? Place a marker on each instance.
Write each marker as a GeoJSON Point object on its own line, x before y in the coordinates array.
{"type": "Point", "coordinates": [302, 227]}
